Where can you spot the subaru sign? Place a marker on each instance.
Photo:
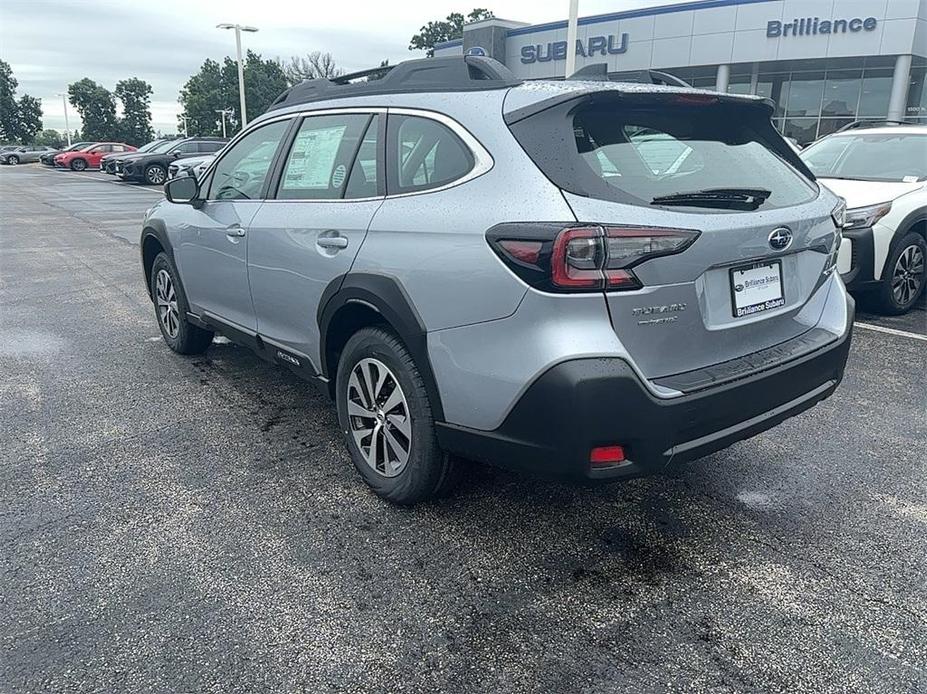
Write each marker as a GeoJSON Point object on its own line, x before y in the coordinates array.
{"type": "Point", "coordinates": [557, 50]}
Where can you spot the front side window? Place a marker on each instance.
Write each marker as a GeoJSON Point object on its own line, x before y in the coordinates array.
{"type": "Point", "coordinates": [321, 157]}
{"type": "Point", "coordinates": [243, 171]}
{"type": "Point", "coordinates": [423, 154]}
{"type": "Point", "coordinates": [869, 157]}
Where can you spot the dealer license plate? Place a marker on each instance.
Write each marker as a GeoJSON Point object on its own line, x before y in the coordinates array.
{"type": "Point", "coordinates": [756, 288]}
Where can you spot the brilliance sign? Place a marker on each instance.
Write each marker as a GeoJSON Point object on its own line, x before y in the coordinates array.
{"type": "Point", "coordinates": [812, 26]}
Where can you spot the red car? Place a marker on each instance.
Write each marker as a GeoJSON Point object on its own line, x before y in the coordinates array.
{"type": "Point", "coordinates": [89, 156]}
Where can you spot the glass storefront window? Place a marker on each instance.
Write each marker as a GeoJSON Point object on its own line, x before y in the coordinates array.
{"type": "Point", "coordinates": [775, 87]}
{"type": "Point", "coordinates": [829, 126]}
{"type": "Point", "coordinates": [804, 130]}
{"type": "Point", "coordinates": [806, 90]}
{"type": "Point", "coordinates": [841, 93]}
{"type": "Point", "coordinates": [739, 84]}
{"type": "Point", "coordinates": [873, 99]}
{"type": "Point", "coordinates": [917, 94]}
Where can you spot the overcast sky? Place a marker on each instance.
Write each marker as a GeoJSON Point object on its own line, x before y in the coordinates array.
{"type": "Point", "coordinates": [51, 43]}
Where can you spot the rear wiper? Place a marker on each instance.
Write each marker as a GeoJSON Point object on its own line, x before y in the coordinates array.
{"type": "Point", "coordinates": [723, 198]}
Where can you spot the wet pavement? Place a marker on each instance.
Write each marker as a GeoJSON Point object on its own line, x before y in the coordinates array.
{"type": "Point", "coordinates": [182, 524]}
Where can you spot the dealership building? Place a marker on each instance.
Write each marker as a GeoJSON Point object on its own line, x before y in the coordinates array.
{"type": "Point", "coordinates": [825, 63]}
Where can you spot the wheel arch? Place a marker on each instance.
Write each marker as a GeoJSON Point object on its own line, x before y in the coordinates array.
{"type": "Point", "coordinates": [358, 300]}
{"type": "Point", "coordinates": [154, 241]}
{"type": "Point", "coordinates": [916, 222]}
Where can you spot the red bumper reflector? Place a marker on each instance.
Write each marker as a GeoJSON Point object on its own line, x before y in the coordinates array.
{"type": "Point", "coordinates": [606, 455]}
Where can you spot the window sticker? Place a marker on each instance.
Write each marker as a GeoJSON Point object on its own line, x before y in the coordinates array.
{"type": "Point", "coordinates": [312, 158]}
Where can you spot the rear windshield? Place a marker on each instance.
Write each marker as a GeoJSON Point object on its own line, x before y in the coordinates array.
{"type": "Point", "coordinates": [870, 157]}
{"type": "Point", "coordinates": [638, 155]}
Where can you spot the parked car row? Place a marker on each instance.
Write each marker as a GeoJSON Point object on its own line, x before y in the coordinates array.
{"type": "Point", "coordinates": [153, 163]}
{"type": "Point", "coordinates": [16, 154]}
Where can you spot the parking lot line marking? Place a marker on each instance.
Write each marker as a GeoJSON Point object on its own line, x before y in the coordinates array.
{"type": "Point", "coordinates": [890, 331]}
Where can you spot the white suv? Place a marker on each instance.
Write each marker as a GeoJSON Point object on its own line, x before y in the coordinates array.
{"type": "Point", "coordinates": [880, 169]}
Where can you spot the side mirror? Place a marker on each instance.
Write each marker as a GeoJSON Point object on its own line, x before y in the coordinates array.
{"type": "Point", "coordinates": [176, 153]}
{"type": "Point", "coordinates": [182, 191]}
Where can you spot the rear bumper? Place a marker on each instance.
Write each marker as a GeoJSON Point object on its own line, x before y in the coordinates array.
{"type": "Point", "coordinates": [580, 404]}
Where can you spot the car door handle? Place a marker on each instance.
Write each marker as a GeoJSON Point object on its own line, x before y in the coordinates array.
{"type": "Point", "coordinates": [235, 232]}
{"type": "Point", "coordinates": [332, 242]}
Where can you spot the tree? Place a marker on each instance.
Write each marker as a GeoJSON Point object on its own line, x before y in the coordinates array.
{"type": "Point", "coordinates": [135, 125]}
{"type": "Point", "coordinates": [19, 120]}
{"type": "Point", "coordinates": [200, 97]}
{"type": "Point", "coordinates": [8, 112]}
{"type": "Point", "coordinates": [264, 82]}
{"type": "Point", "coordinates": [311, 66]}
{"type": "Point", "coordinates": [28, 118]}
{"type": "Point", "coordinates": [215, 87]}
{"type": "Point", "coordinates": [97, 108]}
{"type": "Point", "coordinates": [447, 30]}
{"type": "Point", "coordinates": [50, 138]}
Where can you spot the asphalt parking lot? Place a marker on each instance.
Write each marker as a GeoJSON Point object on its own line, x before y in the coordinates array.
{"type": "Point", "coordinates": [193, 524]}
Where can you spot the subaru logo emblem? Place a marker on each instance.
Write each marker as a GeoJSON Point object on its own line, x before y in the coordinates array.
{"type": "Point", "coordinates": [780, 239]}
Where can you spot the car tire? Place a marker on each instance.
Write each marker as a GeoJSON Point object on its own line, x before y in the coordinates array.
{"type": "Point", "coordinates": [155, 174]}
{"type": "Point", "coordinates": [399, 458]}
{"type": "Point", "coordinates": [170, 307]}
{"type": "Point", "coordinates": [12, 159]}
{"type": "Point", "coordinates": [78, 164]}
{"type": "Point", "coordinates": [903, 276]}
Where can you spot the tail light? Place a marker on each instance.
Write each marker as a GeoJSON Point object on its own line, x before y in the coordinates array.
{"type": "Point", "coordinates": [584, 258]}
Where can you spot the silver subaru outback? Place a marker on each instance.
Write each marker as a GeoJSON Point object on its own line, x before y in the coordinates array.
{"type": "Point", "coordinates": [584, 279]}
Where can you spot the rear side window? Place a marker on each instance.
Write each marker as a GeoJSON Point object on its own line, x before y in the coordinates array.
{"type": "Point", "coordinates": [424, 154]}
{"type": "Point", "coordinates": [639, 154]}
{"type": "Point", "coordinates": [186, 148]}
{"type": "Point", "coordinates": [210, 147]}
{"type": "Point", "coordinates": [321, 157]}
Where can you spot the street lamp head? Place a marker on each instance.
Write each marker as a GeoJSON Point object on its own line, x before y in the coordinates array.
{"type": "Point", "coordinates": [226, 25]}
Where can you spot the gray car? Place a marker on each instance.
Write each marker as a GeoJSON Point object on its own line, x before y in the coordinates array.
{"type": "Point", "coordinates": [25, 154]}
{"type": "Point", "coordinates": [583, 279]}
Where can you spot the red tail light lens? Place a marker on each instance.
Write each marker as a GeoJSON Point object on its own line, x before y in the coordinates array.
{"type": "Point", "coordinates": [586, 258]}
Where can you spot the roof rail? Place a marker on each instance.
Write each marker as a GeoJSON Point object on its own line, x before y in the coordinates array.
{"type": "Point", "coordinates": [598, 72]}
{"type": "Point", "coordinates": [857, 124]}
{"type": "Point", "coordinates": [449, 74]}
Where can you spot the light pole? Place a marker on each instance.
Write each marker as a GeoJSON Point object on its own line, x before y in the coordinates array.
{"type": "Point", "coordinates": [67, 128]}
{"type": "Point", "coordinates": [241, 69]}
{"type": "Point", "coordinates": [184, 119]}
{"type": "Point", "coordinates": [571, 38]}
{"type": "Point", "coordinates": [224, 112]}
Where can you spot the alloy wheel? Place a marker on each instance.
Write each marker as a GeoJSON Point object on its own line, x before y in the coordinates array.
{"type": "Point", "coordinates": [167, 303]}
{"type": "Point", "coordinates": [156, 175]}
{"type": "Point", "coordinates": [908, 275]}
{"type": "Point", "coordinates": [379, 418]}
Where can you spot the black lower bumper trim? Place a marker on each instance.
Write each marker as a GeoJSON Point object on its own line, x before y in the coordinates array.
{"type": "Point", "coordinates": [584, 403]}
{"type": "Point", "coordinates": [862, 264]}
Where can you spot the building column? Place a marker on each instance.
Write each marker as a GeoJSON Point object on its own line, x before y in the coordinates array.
{"type": "Point", "coordinates": [901, 79]}
{"type": "Point", "coordinates": [754, 78]}
{"type": "Point", "coordinates": [724, 77]}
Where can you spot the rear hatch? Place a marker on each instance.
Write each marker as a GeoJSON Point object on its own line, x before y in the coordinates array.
{"type": "Point", "coordinates": [655, 168]}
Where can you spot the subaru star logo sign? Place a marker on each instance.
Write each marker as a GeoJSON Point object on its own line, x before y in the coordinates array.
{"type": "Point", "coordinates": [780, 239]}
